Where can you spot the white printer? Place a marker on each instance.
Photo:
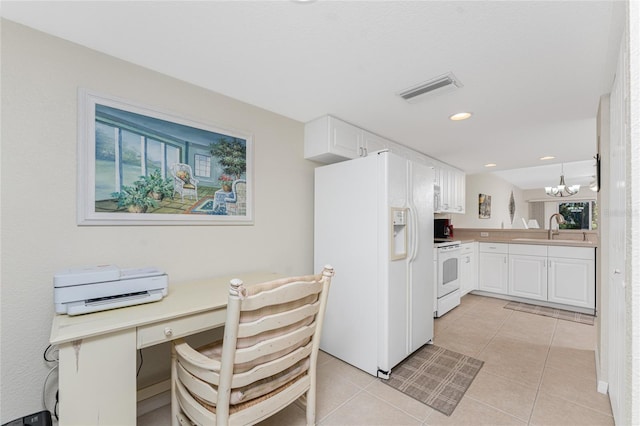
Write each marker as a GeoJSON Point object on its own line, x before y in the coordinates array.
{"type": "Point", "coordinates": [98, 288]}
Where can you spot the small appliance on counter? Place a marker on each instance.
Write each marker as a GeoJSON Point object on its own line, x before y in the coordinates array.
{"type": "Point", "coordinates": [442, 228]}
{"type": "Point", "coordinates": [98, 288]}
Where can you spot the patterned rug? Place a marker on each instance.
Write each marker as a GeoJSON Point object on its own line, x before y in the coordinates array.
{"type": "Point", "coordinates": [552, 312]}
{"type": "Point", "coordinates": [435, 376]}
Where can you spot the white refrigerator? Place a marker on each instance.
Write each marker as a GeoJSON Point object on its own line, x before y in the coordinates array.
{"type": "Point", "coordinates": [374, 225]}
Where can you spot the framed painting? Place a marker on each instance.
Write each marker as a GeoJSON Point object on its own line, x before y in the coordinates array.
{"type": "Point", "coordinates": [141, 166]}
{"type": "Point", "coordinates": [484, 206]}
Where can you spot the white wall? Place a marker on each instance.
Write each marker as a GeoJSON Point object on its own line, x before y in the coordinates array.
{"type": "Point", "coordinates": [500, 191]}
{"type": "Point", "coordinates": [39, 236]}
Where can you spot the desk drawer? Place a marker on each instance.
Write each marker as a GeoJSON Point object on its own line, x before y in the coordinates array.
{"type": "Point", "coordinates": [166, 331]}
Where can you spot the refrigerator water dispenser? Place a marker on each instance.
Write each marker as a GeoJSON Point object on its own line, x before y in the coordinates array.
{"type": "Point", "coordinates": [399, 233]}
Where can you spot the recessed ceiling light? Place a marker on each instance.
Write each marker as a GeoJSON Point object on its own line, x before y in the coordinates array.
{"type": "Point", "coordinates": [490, 165]}
{"type": "Point", "coordinates": [548, 157]}
{"type": "Point", "coordinates": [460, 116]}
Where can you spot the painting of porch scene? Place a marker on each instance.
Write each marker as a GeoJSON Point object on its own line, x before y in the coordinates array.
{"type": "Point", "coordinates": [148, 165]}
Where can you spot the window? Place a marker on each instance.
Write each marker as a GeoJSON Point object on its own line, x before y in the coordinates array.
{"type": "Point", "coordinates": [579, 215]}
{"type": "Point", "coordinates": [123, 155]}
{"type": "Point", "coordinates": [202, 165]}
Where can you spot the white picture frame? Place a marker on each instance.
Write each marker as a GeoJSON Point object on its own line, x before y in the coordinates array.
{"type": "Point", "coordinates": [125, 149]}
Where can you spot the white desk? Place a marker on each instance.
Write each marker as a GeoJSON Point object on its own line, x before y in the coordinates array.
{"type": "Point", "coordinates": [97, 370]}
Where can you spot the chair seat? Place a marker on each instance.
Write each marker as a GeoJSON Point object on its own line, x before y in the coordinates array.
{"type": "Point", "coordinates": [240, 401]}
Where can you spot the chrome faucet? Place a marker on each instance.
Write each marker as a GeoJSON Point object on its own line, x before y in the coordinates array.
{"type": "Point", "coordinates": [560, 220]}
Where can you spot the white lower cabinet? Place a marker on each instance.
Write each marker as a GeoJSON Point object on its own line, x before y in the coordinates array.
{"type": "Point", "coordinates": [556, 274]}
{"type": "Point", "coordinates": [493, 269]}
{"type": "Point", "coordinates": [468, 268]}
{"type": "Point", "coordinates": [572, 276]}
{"type": "Point", "coordinates": [528, 271]}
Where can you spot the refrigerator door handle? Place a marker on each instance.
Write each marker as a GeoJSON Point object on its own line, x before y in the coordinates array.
{"type": "Point", "coordinates": [413, 232]}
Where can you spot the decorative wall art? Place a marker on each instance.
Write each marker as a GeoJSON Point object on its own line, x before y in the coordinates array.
{"type": "Point", "coordinates": [512, 207]}
{"type": "Point", "coordinates": [484, 206]}
{"type": "Point", "coordinates": [140, 166]}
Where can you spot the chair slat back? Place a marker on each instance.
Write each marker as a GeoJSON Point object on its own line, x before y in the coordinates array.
{"type": "Point", "coordinates": [277, 320]}
{"type": "Point", "coordinates": [289, 292]}
{"type": "Point", "coordinates": [267, 358]}
{"type": "Point", "coordinates": [275, 345]}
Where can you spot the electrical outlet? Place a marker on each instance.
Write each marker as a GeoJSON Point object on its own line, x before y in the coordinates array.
{"type": "Point", "coordinates": [484, 234]}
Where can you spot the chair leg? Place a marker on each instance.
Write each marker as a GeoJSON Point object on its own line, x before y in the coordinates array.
{"type": "Point", "coordinates": [174, 399]}
{"type": "Point", "coordinates": [311, 406]}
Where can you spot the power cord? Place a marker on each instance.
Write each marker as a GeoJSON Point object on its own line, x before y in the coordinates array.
{"type": "Point", "coordinates": [141, 362]}
{"type": "Point", "coordinates": [44, 403]}
{"type": "Point", "coordinates": [47, 352]}
{"type": "Point", "coordinates": [50, 355]}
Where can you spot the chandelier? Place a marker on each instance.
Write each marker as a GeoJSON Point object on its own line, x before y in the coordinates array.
{"type": "Point", "coordinates": [562, 189]}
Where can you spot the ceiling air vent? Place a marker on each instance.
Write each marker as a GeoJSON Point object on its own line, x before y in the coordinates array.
{"type": "Point", "coordinates": [441, 84]}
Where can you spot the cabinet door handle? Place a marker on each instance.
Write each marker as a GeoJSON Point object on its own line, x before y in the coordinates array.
{"type": "Point", "coordinates": [168, 332]}
{"type": "Point", "coordinates": [366, 152]}
{"type": "Point", "coordinates": [360, 151]}
{"type": "Point", "coordinates": [617, 272]}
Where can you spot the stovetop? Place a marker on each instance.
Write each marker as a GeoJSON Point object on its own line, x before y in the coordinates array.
{"type": "Point", "coordinates": [444, 242]}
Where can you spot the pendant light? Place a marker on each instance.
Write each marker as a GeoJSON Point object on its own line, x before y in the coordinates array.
{"type": "Point", "coordinates": [562, 190]}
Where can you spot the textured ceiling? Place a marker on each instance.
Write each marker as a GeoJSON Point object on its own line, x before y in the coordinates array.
{"type": "Point", "coordinates": [532, 71]}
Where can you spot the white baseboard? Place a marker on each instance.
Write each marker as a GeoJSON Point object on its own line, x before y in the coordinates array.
{"type": "Point", "coordinates": [603, 387]}
{"type": "Point", "coordinates": [147, 405]}
{"type": "Point", "coordinates": [153, 397]}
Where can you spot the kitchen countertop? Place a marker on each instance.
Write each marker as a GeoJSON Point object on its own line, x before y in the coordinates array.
{"type": "Point", "coordinates": [535, 241]}
{"type": "Point", "coordinates": [540, 241]}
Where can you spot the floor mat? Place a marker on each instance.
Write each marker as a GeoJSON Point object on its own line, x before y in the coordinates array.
{"type": "Point", "coordinates": [435, 376]}
{"type": "Point", "coordinates": [552, 312]}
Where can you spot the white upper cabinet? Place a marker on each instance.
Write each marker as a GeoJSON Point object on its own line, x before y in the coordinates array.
{"type": "Point", "coordinates": [329, 140]}
{"type": "Point", "coordinates": [452, 189]}
{"type": "Point", "coordinates": [372, 143]}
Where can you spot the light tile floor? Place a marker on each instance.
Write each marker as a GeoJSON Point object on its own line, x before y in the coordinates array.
{"type": "Point", "coordinates": [537, 371]}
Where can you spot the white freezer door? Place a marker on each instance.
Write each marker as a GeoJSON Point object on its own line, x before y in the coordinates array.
{"type": "Point", "coordinates": [345, 236]}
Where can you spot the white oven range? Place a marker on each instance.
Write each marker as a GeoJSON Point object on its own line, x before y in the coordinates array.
{"type": "Point", "coordinates": [448, 276]}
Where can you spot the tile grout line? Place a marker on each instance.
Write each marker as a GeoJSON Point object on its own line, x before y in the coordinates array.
{"type": "Point", "coordinates": [495, 333]}
{"type": "Point", "coordinates": [395, 406]}
{"type": "Point", "coordinates": [346, 401]}
{"type": "Point", "coordinates": [544, 367]}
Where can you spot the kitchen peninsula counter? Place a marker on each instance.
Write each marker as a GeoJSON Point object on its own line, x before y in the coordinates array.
{"type": "Point", "coordinates": [569, 238]}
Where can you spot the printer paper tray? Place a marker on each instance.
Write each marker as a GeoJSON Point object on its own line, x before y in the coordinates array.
{"type": "Point", "coordinates": [113, 302]}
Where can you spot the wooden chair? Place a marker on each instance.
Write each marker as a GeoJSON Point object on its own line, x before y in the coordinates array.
{"type": "Point", "coordinates": [266, 361]}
